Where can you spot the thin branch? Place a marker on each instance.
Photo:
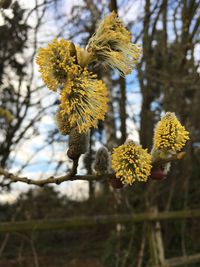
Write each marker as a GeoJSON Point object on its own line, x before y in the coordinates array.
{"type": "Point", "coordinates": [71, 176]}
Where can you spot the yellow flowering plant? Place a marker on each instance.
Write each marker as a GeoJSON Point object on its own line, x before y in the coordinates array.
{"type": "Point", "coordinates": [84, 100]}
{"type": "Point", "coordinates": [55, 61]}
{"type": "Point", "coordinates": [111, 44]}
{"type": "Point", "coordinates": [63, 65]}
{"type": "Point", "coordinates": [131, 162]}
{"type": "Point", "coordinates": [169, 139]}
{"type": "Point", "coordinates": [66, 69]}
{"type": "Point", "coordinates": [169, 134]}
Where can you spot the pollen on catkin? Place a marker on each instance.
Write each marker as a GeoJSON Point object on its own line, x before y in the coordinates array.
{"type": "Point", "coordinates": [169, 134]}
{"type": "Point", "coordinates": [55, 61]}
{"type": "Point", "coordinates": [112, 45]}
{"type": "Point", "coordinates": [131, 162]}
{"type": "Point", "coordinates": [84, 100]}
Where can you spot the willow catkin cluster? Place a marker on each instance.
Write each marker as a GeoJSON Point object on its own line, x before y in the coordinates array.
{"type": "Point", "coordinates": [64, 66]}
{"type": "Point", "coordinates": [55, 61]}
{"type": "Point", "coordinates": [131, 162]}
{"type": "Point", "coordinates": [169, 135]}
{"type": "Point", "coordinates": [83, 97]}
{"type": "Point", "coordinates": [111, 44]}
{"type": "Point", "coordinates": [84, 100]}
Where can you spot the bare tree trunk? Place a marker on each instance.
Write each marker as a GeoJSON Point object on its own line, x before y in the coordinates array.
{"type": "Point", "coordinates": [110, 127]}
{"type": "Point", "coordinates": [146, 124]}
{"type": "Point", "coordinates": [122, 105]}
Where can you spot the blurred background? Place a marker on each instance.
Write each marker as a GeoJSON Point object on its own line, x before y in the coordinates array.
{"type": "Point", "coordinates": [166, 79]}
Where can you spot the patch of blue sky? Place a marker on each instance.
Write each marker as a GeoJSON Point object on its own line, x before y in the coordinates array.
{"type": "Point", "coordinates": [134, 97]}
{"type": "Point", "coordinates": [44, 166]}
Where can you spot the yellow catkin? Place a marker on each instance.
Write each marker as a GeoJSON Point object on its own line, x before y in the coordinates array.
{"type": "Point", "coordinates": [55, 61]}
{"type": "Point", "coordinates": [131, 162]}
{"type": "Point", "coordinates": [169, 134]}
{"type": "Point", "coordinates": [112, 45]}
{"type": "Point", "coordinates": [84, 100]}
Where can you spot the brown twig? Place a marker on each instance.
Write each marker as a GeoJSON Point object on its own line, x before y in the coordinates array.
{"type": "Point", "coordinates": [71, 176]}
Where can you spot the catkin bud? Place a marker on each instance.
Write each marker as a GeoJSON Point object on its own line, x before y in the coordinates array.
{"type": "Point", "coordinates": [62, 123]}
{"type": "Point", "coordinates": [115, 183]}
{"type": "Point", "coordinates": [102, 161]}
{"type": "Point", "coordinates": [78, 143]}
{"type": "Point", "coordinates": [157, 173]}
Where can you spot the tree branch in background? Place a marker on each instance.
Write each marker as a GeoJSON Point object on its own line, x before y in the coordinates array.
{"type": "Point", "coordinates": [88, 221]}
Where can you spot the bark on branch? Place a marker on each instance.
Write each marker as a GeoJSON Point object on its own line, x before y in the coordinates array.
{"type": "Point", "coordinates": [71, 176]}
